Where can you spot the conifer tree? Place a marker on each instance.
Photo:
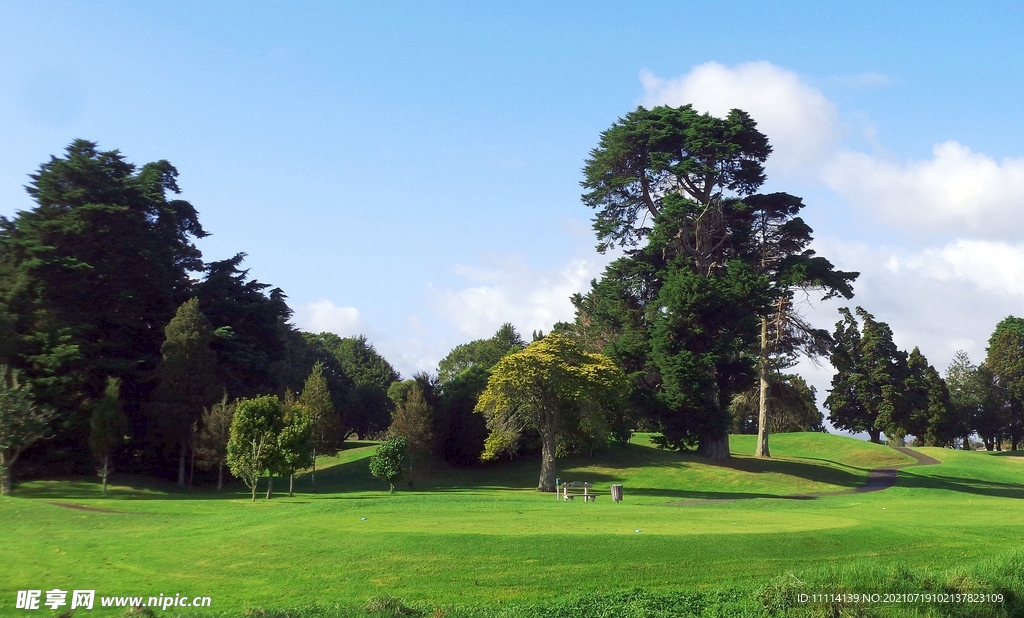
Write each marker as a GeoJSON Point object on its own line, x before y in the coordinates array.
{"type": "Point", "coordinates": [324, 420]}
{"type": "Point", "coordinates": [413, 420]}
{"type": "Point", "coordinates": [186, 379]}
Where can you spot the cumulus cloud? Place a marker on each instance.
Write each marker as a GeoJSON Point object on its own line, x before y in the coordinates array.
{"type": "Point", "coordinates": [325, 316]}
{"type": "Point", "coordinates": [801, 123]}
{"type": "Point", "coordinates": [957, 188]}
{"type": "Point", "coordinates": [507, 289]}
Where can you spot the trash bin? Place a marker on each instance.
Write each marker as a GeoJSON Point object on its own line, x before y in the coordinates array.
{"type": "Point", "coordinates": [617, 493]}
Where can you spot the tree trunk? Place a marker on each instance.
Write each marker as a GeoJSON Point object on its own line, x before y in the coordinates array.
{"type": "Point", "coordinates": [967, 443]}
{"type": "Point", "coordinates": [104, 472]}
{"type": "Point", "coordinates": [312, 474]}
{"type": "Point", "coordinates": [270, 485]}
{"type": "Point", "coordinates": [762, 412]}
{"type": "Point", "coordinates": [181, 461]}
{"type": "Point", "coordinates": [1013, 443]}
{"type": "Point", "coordinates": [291, 484]}
{"type": "Point", "coordinates": [547, 456]}
{"type": "Point", "coordinates": [220, 476]}
{"type": "Point", "coordinates": [876, 435]}
{"type": "Point", "coordinates": [192, 459]}
{"type": "Point", "coordinates": [714, 446]}
{"type": "Point", "coordinates": [254, 489]}
{"type": "Point", "coordinates": [5, 480]}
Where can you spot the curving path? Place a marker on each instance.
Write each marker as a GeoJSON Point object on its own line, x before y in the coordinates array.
{"type": "Point", "coordinates": [879, 479]}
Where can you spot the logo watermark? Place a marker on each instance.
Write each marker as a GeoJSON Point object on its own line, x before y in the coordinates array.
{"type": "Point", "coordinates": [86, 599]}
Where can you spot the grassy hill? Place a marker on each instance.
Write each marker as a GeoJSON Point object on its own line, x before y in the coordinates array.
{"type": "Point", "coordinates": [485, 536]}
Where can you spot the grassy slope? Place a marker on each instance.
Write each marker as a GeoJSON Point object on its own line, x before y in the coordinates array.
{"type": "Point", "coordinates": [484, 536]}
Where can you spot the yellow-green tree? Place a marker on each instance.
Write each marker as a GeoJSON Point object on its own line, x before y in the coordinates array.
{"type": "Point", "coordinates": [550, 385]}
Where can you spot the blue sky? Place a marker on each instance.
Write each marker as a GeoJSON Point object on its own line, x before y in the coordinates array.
{"type": "Point", "coordinates": [411, 171]}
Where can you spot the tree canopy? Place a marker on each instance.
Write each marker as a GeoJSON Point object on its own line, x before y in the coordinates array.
{"type": "Point", "coordinates": [549, 386]}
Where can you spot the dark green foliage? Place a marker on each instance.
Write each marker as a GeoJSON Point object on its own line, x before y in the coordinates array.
{"type": "Point", "coordinates": [667, 183]}
{"type": "Point", "coordinates": [697, 344]}
{"type": "Point", "coordinates": [647, 158]}
{"type": "Point", "coordinates": [389, 462]}
{"type": "Point", "coordinates": [793, 407]}
{"type": "Point", "coordinates": [107, 429]}
{"type": "Point", "coordinates": [186, 379]}
{"type": "Point", "coordinates": [413, 419]}
{"type": "Point", "coordinates": [367, 409]}
{"type": "Point", "coordinates": [973, 397]}
{"type": "Point", "coordinates": [88, 279]}
{"type": "Point", "coordinates": [1005, 359]}
{"type": "Point", "coordinates": [459, 432]}
{"type": "Point", "coordinates": [481, 352]}
{"type": "Point", "coordinates": [868, 387]}
{"type": "Point", "coordinates": [931, 416]}
{"type": "Point", "coordinates": [252, 329]}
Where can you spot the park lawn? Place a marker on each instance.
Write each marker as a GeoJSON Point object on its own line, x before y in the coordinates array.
{"type": "Point", "coordinates": [484, 536]}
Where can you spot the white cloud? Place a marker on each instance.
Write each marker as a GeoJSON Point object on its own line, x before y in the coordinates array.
{"type": "Point", "coordinates": [508, 290]}
{"type": "Point", "coordinates": [957, 188]}
{"type": "Point", "coordinates": [800, 122]}
{"type": "Point", "coordinates": [325, 316]}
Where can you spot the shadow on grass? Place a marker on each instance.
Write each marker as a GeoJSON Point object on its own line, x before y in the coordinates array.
{"type": "Point", "coordinates": [975, 486]}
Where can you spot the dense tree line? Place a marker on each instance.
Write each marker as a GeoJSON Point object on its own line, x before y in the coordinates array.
{"type": "Point", "coordinates": [121, 349]}
{"type": "Point", "coordinates": [880, 389]}
{"type": "Point", "coordinates": [118, 340]}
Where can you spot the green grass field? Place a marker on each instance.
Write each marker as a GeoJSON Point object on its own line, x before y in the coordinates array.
{"type": "Point", "coordinates": [484, 537]}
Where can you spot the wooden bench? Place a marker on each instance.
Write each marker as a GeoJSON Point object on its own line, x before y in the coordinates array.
{"type": "Point", "coordinates": [586, 494]}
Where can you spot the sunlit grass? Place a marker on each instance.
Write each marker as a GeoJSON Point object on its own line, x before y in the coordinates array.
{"type": "Point", "coordinates": [484, 535]}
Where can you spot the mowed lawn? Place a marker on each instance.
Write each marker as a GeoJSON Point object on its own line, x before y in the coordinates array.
{"type": "Point", "coordinates": [486, 536]}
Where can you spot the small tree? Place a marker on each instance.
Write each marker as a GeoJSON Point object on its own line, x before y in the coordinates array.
{"type": "Point", "coordinates": [412, 420]}
{"type": "Point", "coordinates": [294, 445]}
{"type": "Point", "coordinates": [388, 462]}
{"type": "Point", "coordinates": [212, 447]}
{"type": "Point", "coordinates": [549, 386]}
{"type": "Point", "coordinates": [107, 428]}
{"type": "Point", "coordinates": [22, 423]}
{"type": "Point", "coordinates": [253, 443]}
{"type": "Point", "coordinates": [324, 420]}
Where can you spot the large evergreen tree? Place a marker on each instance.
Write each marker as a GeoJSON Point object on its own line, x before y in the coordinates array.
{"type": "Point", "coordinates": [676, 189]}
{"type": "Point", "coordinates": [88, 279]}
{"type": "Point", "coordinates": [252, 328]}
{"type": "Point", "coordinates": [868, 388]}
{"type": "Point", "coordinates": [1005, 359]}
